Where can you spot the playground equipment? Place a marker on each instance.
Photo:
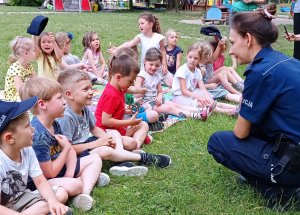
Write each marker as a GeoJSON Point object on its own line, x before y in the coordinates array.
{"type": "Point", "coordinates": [72, 5]}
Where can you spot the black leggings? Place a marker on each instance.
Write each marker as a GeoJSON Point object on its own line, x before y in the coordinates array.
{"type": "Point", "coordinates": [297, 31]}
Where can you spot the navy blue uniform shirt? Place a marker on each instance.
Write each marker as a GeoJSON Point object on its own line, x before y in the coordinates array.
{"type": "Point", "coordinates": [271, 98]}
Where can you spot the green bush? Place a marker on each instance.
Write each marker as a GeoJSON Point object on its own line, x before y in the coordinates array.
{"type": "Point", "coordinates": [26, 2]}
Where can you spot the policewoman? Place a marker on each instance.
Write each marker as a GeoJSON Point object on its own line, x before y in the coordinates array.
{"type": "Point", "coordinates": [263, 146]}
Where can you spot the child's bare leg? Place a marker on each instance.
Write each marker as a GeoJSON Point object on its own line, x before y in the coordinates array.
{"type": "Point", "coordinates": [90, 168]}
{"type": "Point", "coordinates": [235, 74]}
{"type": "Point", "coordinates": [222, 77]}
{"type": "Point", "coordinates": [168, 79]}
{"type": "Point", "coordinates": [170, 109]}
{"type": "Point", "coordinates": [73, 186]}
{"type": "Point", "coordinates": [139, 133]}
{"type": "Point", "coordinates": [117, 137]}
{"type": "Point", "coordinates": [233, 97]}
{"type": "Point", "coordinates": [129, 143]}
{"type": "Point", "coordinates": [108, 153]}
{"type": "Point", "coordinates": [42, 206]}
{"type": "Point", "coordinates": [182, 107]}
{"type": "Point", "coordinates": [225, 105]}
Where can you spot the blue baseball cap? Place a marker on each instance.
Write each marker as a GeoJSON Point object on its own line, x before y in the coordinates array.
{"type": "Point", "coordinates": [70, 35]}
{"type": "Point", "coordinates": [37, 25]}
{"type": "Point", "coordinates": [211, 31]}
{"type": "Point", "coordinates": [11, 110]}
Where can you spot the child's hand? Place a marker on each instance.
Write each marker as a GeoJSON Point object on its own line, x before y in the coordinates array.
{"type": "Point", "coordinates": [164, 70]}
{"type": "Point", "coordinates": [133, 121]}
{"type": "Point", "coordinates": [62, 140]}
{"type": "Point", "coordinates": [51, 37]}
{"type": "Point", "coordinates": [112, 50]}
{"type": "Point", "coordinates": [204, 101]}
{"type": "Point", "coordinates": [105, 141]}
{"type": "Point", "coordinates": [128, 109]}
{"type": "Point", "coordinates": [56, 208]}
{"type": "Point", "coordinates": [159, 100]}
{"type": "Point", "coordinates": [213, 85]}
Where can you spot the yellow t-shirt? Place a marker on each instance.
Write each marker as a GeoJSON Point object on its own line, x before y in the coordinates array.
{"type": "Point", "coordinates": [10, 91]}
{"type": "Point", "coordinates": [44, 70]}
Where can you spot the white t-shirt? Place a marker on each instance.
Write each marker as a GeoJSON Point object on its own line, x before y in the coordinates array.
{"type": "Point", "coordinates": [147, 43]}
{"type": "Point", "coordinates": [192, 79]}
{"type": "Point", "coordinates": [14, 175]}
{"type": "Point", "coordinates": [150, 82]}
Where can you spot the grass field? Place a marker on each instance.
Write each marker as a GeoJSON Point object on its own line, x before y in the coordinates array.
{"type": "Point", "coordinates": [195, 183]}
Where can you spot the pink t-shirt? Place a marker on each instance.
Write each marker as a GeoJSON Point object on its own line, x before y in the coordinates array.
{"type": "Point", "coordinates": [112, 101]}
{"type": "Point", "coordinates": [219, 62]}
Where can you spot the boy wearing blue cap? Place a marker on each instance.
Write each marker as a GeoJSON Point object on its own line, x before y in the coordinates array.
{"type": "Point", "coordinates": [54, 152]}
{"type": "Point", "coordinates": [18, 162]}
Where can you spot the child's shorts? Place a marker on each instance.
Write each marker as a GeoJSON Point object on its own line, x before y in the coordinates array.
{"type": "Point", "coordinates": [152, 104]}
{"type": "Point", "coordinates": [64, 169]}
{"type": "Point", "coordinates": [26, 200]}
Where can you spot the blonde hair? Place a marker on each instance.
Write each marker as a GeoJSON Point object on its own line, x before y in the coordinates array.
{"type": "Point", "coordinates": [86, 41]}
{"type": "Point", "coordinates": [203, 48]}
{"type": "Point", "coordinates": [70, 77]}
{"type": "Point", "coordinates": [46, 57]}
{"type": "Point", "coordinates": [61, 39]}
{"type": "Point", "coordinates": [18, 46]}
{"type": "Point", "coordinates": [169, 32]}
{"type": "Point", "coordinates": [43, 88]}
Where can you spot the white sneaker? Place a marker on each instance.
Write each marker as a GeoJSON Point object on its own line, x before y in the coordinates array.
{"type": "Point", "coordinates": [128, 171]}
{"type": "Point", "coordinates": [83, 202]}
{"type": "Point", "coordinates": [103, 180]}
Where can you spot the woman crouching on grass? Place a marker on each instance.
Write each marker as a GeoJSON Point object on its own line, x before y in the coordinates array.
{"type": "Point", "coordinates": [263, 146]}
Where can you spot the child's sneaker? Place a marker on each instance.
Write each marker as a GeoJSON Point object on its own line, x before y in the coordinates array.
{"type": "Point", "coordinates": [163, 117]}
{"type": "Point", "coordinates": [148, 140]}
{"type": "Point", "coordinates": [103, 180]}
{"type": "Point", "coordinates": [83, 202]}
{"type": "Point", "coordinates": [156, 126]}
{"type": "Point", "coordinates": [201, 114]}
{"type": "Point", "coordinates": [161, 161]}
{"type": "Point", "coordinates": [128, 169]}
{"type": "Point", "coordinates": [239, 86]}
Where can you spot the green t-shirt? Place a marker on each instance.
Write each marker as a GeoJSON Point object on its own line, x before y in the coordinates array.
{"type": "Point", "coordinates": [239, 6]}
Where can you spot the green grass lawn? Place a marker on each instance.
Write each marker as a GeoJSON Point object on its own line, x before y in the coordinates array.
{"type": "Point", "coordinates": [195, 183]}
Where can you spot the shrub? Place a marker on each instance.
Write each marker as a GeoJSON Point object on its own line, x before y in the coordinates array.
{"type": "Point", "coordinates": [26, 2]}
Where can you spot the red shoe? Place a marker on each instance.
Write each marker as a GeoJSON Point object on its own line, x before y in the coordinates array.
{"type": "Point", "coordinates": [148, 140]}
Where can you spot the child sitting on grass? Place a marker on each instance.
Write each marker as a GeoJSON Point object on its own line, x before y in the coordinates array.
{"type": "Point", "coordinates": [54, 152]}
{"type": "Point", "coordinates": [174, 52]}
{"type": "Point", "coordinates": [188, 87]}
{"type": "Point", "coordinates": [78, 122]}
{"type": "Point", "coordinates": [23, 54]}
{"type": "Point", "coordinates": [18, 162]}
{"type": "Point", "coordinates": [111, 106]}
{"type": "Point", "coordinates": [153, 100]}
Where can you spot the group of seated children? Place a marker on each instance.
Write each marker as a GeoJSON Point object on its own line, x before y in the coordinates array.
{"type": "Point", "coordinates": [69, 158]}
{"type": "Point", "coordinates": [68, 141]}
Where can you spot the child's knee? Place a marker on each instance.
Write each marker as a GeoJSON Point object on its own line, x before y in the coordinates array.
{"type": "Point", "coordinates": [105, 152]}
{"type": "Point", "coordinates": [144, 125]}
{"type": "Point", "coordinates": [61, 194]}
{"type": "Point", "coordinates": [130, 144]}
{"type": "Point", "coordinates": [152, 116]}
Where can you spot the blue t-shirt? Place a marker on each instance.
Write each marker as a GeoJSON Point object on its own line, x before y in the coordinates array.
{"type": "Point", "coordinates": [271, 95]}
{"type": "Point", "coordinates": [44, 144]}
{"type": "Point", "coordinates": [172, 58]}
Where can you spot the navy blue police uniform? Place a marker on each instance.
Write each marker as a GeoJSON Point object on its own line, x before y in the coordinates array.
{"type": "Point", "coordinates": [271, 102]}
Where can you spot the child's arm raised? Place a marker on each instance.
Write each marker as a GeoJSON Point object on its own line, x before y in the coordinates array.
{"type": "Point", "coordinates": [57, 51]}
{"type": "Point", "coordinates": [112, 50]}
{"type": "Point", "coordinates": [37, 49]}
{"type": "Point", "coordinates": [46, 192]}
